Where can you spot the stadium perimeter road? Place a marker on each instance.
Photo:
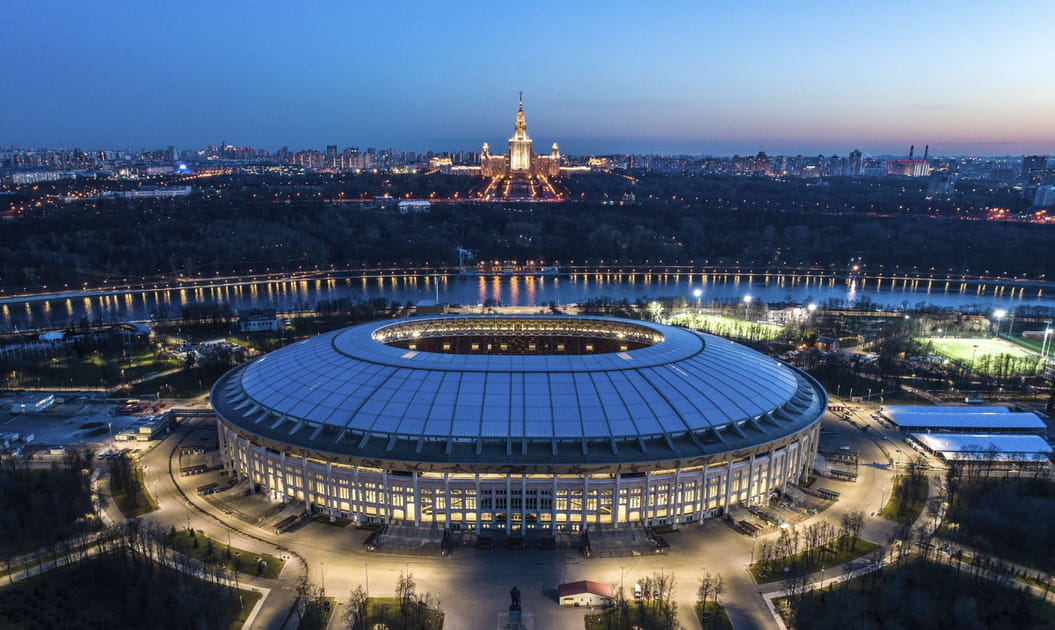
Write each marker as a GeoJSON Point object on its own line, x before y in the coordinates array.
{"type": "Point", "coordinates": [473, 585]}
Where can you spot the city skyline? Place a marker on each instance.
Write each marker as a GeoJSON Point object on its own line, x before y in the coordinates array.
{"type": "Point", "coordinates": [603, 78]}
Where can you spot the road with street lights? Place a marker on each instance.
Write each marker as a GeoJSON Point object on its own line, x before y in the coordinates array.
{"type": "Point", "coordinates": [472, 585]}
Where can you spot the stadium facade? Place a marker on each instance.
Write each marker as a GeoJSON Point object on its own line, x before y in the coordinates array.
{"type": "Point", "coordinates": [518, 422]}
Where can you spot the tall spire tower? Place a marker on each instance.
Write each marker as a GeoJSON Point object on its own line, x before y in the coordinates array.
{"type": "Point", "coordinates": [520, 143]}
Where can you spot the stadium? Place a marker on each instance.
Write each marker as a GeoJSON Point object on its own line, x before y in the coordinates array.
{"type": "Point", "coordinates": [518, 423]}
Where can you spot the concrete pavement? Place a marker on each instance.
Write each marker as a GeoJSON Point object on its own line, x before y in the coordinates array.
{"type": "Point", "coordinates": [473, 585]}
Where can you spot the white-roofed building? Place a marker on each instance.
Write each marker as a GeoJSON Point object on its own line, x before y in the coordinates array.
{"type": "Point", "coordinates": [978, 420]}
{"type": "Point", "coordinates": [1002, 447]}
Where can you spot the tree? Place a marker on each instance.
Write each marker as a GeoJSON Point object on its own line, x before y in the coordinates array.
{"type": "Point", "coordinates": [797, 584]}
{"type": "Point", "coordinates": [356, 614]}
{"type": "Point", "coordinates": [405, 593]}
{"type": "Point", "coordinates": [711, 587]}
{"type": "Point", "coordinates": [310, 607]}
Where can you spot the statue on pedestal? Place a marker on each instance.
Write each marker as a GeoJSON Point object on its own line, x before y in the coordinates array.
{"type": "Point", "coordinates": [514, 595]}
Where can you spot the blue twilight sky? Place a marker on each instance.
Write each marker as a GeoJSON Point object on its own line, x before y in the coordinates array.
{"type": "Point", "coordinates": [671, 77]}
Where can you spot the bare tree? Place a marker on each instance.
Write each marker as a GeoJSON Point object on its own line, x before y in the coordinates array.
{"type": "Point", "coordinates": [356, 615]}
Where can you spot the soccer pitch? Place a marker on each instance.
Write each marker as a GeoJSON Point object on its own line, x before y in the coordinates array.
{"type": "Point", "coordinates": [726, 326]}
{"type": "Point", "coordinates": [961, 350]}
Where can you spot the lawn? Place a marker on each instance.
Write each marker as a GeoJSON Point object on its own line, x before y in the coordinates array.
{"type": "Point", "coordinates": [713, 617]}
{"type": "Point", "coordinates": [905, 511]}
{"type": "Point", "coordinates": [248, 599]}
{"type": "Point", "coordinates": [639, 614]}
{"type": "Point", "coordinates": [93, 370]}
{"type": "Point", "coordinates": [185, 384]}
{"type": "Point", "coordinates": [983, 353]}
{"type": "Point", "coordinates": [123, 502]}
{"type": "Point", "coordinates": [833, 558]}
{"type": "Point", "coordinates": [727, 326]}
{"type": "Point", "coordinates": [209, 550]}
{"type": "Point", "coordinates": [383, 612]}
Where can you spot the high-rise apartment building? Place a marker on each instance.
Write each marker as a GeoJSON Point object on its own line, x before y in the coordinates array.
{"type": "Point", "coordinates": [855, 162]}
{"type": "Point", "coordinates": [1032, 167]}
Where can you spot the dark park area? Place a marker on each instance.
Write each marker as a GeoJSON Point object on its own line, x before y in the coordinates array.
{"type": "Point", "coordinates": [921, 595]}
{"type": "Point", "coordinates": [120, 588]}
{"type": "Point", "coordinates": [245, 224]}
{"type": "Point", "coordinates": [43, 506]}
{"type": "Point", "coordinates": [1013, 519]}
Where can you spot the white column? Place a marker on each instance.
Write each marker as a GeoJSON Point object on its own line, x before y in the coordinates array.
{"type": "Point", "coordinates": [616, 497]}
{"type": "Point", "coordinates": [478, 504]}
{"type": "Point", "coordinates": [417, 499]}
{"type": "Point", "coordinates": [675, 496]}
{"type": "Point", "coordinates": [333, 494]}
{"type": "Point", "coordinates": [769, 472]}
{"type": "Point", "coordinates": [646, 509]}
{"type": "Point", "coordinates": [386, 496]}
{"type": "Point", "coordinates": [750, 479]}
{"type": "Point", "coordinates": [553, 507]}
{"type": "Point", "coordinates": [523, 503]}
{"type": "Point", "coordinates": [702, 496]}
{"type": "Point", "coordinates": [784, 469]}
{"type": "Point", "coordinates": [509, 503]}
{"type": "Point", "coordinates": [447, 501]}
{"type": "Point", "coordinates": [728, 483]}
{"type": "Point", "coordinates": [585, 500]}
{"type": "Point", "coordinates": [356, 498]}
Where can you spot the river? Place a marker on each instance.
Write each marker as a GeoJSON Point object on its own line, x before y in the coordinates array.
{"type": "Point", "coordinates": [57, 311]}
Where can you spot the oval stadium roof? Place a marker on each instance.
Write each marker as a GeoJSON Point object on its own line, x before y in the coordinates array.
{"type": "Point", "coordinates": [346, 382]}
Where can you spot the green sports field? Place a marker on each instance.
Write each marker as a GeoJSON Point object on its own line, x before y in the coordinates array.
{"type": "Point", "coordinates": [984, 351]}
{"type": "Point", "coordinates": [726, 326]}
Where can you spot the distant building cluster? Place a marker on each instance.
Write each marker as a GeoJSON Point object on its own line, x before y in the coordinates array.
{"type": "Point", "coordinates": [28, 167]}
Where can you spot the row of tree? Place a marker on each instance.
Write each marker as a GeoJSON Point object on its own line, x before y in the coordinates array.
{"type": "Point", "coordinates": [750, 222]}
{"type": "Point", "coordinates": [803, 550]}
{"type": "Point", "coordinates": [412, 611]}
{"type": "Point", "coordinates": [658, 610]}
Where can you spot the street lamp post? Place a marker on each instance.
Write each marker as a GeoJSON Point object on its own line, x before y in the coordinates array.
{"type": "Point", "coordinates": [697, 293]}
{"type": "Point", "coordinates": [747, 306]}
{"type": "Point", "coordinates": [999, 315]}
{"type": "Point", "coordinates": [322, 573]}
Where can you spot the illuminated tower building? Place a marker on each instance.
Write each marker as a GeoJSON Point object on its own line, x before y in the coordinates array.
{"type": "Point", "coordinates": [519, 175]}
{"type": "Point", "coordinates": [520, 143]}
